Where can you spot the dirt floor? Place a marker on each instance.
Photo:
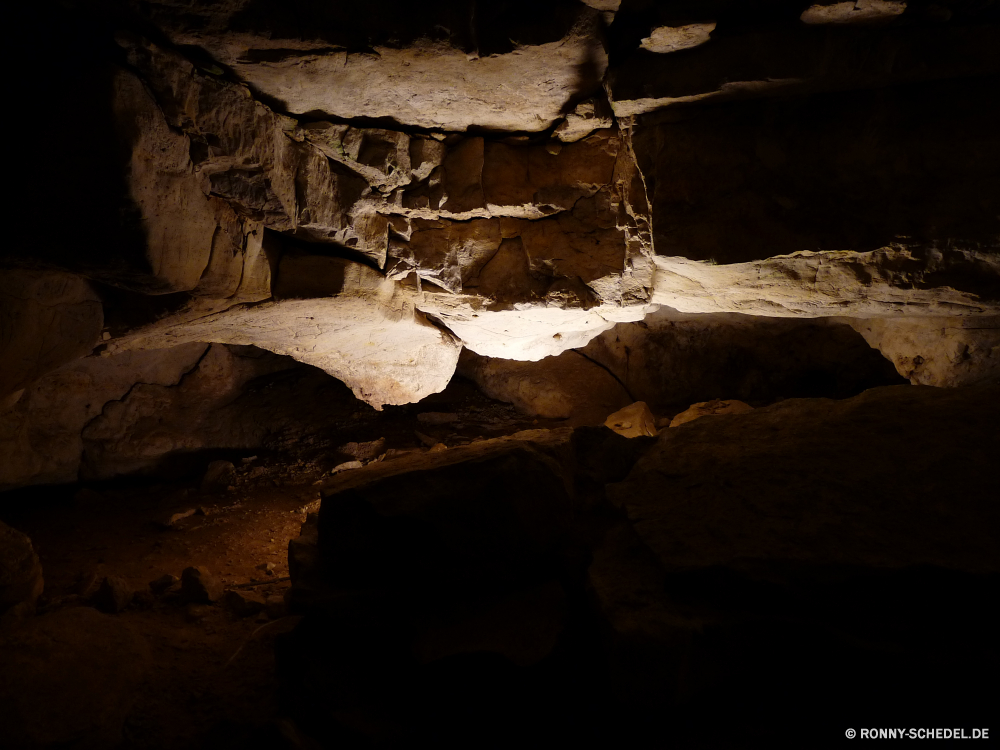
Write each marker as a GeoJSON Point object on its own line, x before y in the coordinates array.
{"type": "Point", "coordinates": [212, 681]}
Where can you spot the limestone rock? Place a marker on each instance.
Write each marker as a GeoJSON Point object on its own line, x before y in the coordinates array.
{"type": "Point", "coordinates": [244, 603]}
{"type": "Point", "coordinates": [46, 320]}
{"type": "Point", "coordinates": [21, 578]}
{"type": "Point", "coordinates": [803, 59]}
{"type": "Point", "coordinates": [776, 180]}
{"type": "Point", "coordinates": [709, 409]}
{"type": "Point", "coordinates": [523, 627]}
{"type": "Point", "coordinates": [70, 678]}
{"type": "Point", "coordinates": [164, 582]}
{"type": "Point", "coordinates": [586, 117]}
{"type": "Point", "coordinates": [199, 586]}
{"type": "Point", "coordinates": [373, 340]}
{"type": "Point", "coordinates": [858, 12]}
{"type": "Point", "coordinates": [113, 595]}
{"type": "Point", "coordinates": [665, 39]}
{"type": "Point", "coordinates": [944, 352]}
{"type": "Point", "coordinates": [218, 476]}
{"type": "Point", "coordinates": [706, 505]}
{"type": "Point", "coordinates": [567, 386]}
{"type": "Point", "coordinates": [634, 420]}
{"type": "Point", "coordinates": [436, 68]}
{"type": "Point", "coordinates": [670, 359]}
{"type": "Point", "coordinates": [152, 422]}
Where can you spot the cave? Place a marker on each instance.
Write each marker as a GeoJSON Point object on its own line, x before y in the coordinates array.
{"type": "Point", "coordinates": [483, 374]}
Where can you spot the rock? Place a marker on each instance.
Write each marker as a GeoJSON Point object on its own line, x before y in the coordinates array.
{"type": "Point", "coordinates": [864, 12]}
{"type": "Point", "coordinates": [942, 352]}
{"type": "Point", "coordinates": [346, 466]}
{"type": "Point", "coordinates": [665, 39]}
{"type": "Point", "coordinates": [70, 679]}
{"type": "Point", "coordinates": [710, 408]}
{"type": "Point", "coordinates": [49, 319]}
{"type": "Point", "coordinates": [267, 568]}
{"type": "Point", "coordinates": [21, 580]}
{"type": "Point", "coordinates": [275, 606]}
{"type": "Point", "coordinates": [523, 627]}
{"type": "Point", "coordinates": [436, 417]}
{"type": "Point", "coordinates": [169, 522]}
{"type": "Point", "coordinates": [218, 475]}
{"type": "Point", "coordinates": [113, 595]}
{"type": "Point", "coordinates": [164, 582]}
{"type": "Point", "coordinates": [199, 586]}
{"type": "Point", "coordinates": [43, 433]}
{"type": "Point", "coordinates": [706, 506]}
{"type": "Point", "coordinates": [364, 451]}
{"type": "Point", "coordinates": [436, 69]}
{"type": "Point", "coordinates": [635, 420]}
{"type": "Point", "coordinates": [671, 360]}
{"type": "Point", "coordinates": [244, 603]}
{"type": "Point", "coordinates": [567, 386]}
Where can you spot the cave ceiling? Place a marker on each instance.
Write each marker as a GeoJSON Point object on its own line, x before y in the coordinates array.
{"type": "Point", "coordinates": [370, 188]}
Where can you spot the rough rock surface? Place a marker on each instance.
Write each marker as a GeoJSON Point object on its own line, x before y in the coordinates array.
{"type": "Point", "coordinates": [21, 580]}
{"type": "Point", "coordinates": [942, 352]}
{"type": "Point", "coordinates": [436, 68]}
{"type": "Point", "coordinates": [839, 519]}
{"type": "Point", "coordinates": [709, 409]}
{"type": "Point", "coordinates": [46, 320]}
{"type": "Point", "coordinates": [568, 386]}
{"type": "Point", "coordinates": [69, 679]}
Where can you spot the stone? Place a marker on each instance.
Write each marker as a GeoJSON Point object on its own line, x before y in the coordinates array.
{"type": "Point", "coordinates": [942, 351]}
{"type": "Point", "coordinates": [346, 466]}
{"type": "Point", "coordinates": [709, 409]}
{"type": "Point", "coordinates": [114, 595]}
{"type": "Point", "coordinates": [42, 434]}
{"type": "Point", "coordinates": [70, 679]}
{"type": "Point", "coordinates": [275, 606]}
{"type": "Point", "coordinates": [632, 421]}
{"type": "Point", "coordinates": [244, 603]}
{"type": "Point", "coordinates": [436, 69]}
{"type": "Point", "coordinates": [437, 417]}
{"type": "Point", "coordinates": [522, 627]}
{"type": "Point", "coordinates": [864, 12]}
{"type": "Point", "coordinates": [164, 582]}
{"type": "Point", "coordinates": [217, 476]}
{"type": "Point", "coordinates": [718, 542]}
{"type": "Point", "coordinates": [666, 39]}
{"type": "Point", "coordinates": [21, 580]}
{"type": "Point", "coordinates": [48, 319]}
{"type": "Point", "coordinates": [199, 586]}
{"type": "Point", "coordinates": [567, 386]}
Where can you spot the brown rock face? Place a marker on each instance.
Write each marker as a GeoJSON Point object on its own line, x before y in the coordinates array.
{"type": "Point", "coordinates": [21, 581]}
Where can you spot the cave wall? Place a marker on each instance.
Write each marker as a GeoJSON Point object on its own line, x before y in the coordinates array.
{"type": "Point", "coordinates": [372, 190]}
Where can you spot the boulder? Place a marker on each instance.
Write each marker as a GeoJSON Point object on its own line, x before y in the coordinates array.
{"type": "Point", "coordinates": [244, 603]}
{"type": "Point", "coordinates": [762, 553]}
{"type": "Point", "coordinates": [710, 408]}
{"type": "Point", "coordinates": [113, 595]}
{"type": "Point", "coordinates": [634, 420]}
{"type": "Point", "coordinates": [21, 580]}
{"type": "Point", "coordinates": [199, 586]}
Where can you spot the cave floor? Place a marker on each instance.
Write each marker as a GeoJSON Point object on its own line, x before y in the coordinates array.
{"type": "Point", "coordinates": [211, 678]}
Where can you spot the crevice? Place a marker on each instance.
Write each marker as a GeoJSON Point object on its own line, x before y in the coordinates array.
{"type": "Point", "coordinates": [607, 370]}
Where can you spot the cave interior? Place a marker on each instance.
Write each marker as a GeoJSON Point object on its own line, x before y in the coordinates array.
{"type": "Point", "coordinates": [485, 374]}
